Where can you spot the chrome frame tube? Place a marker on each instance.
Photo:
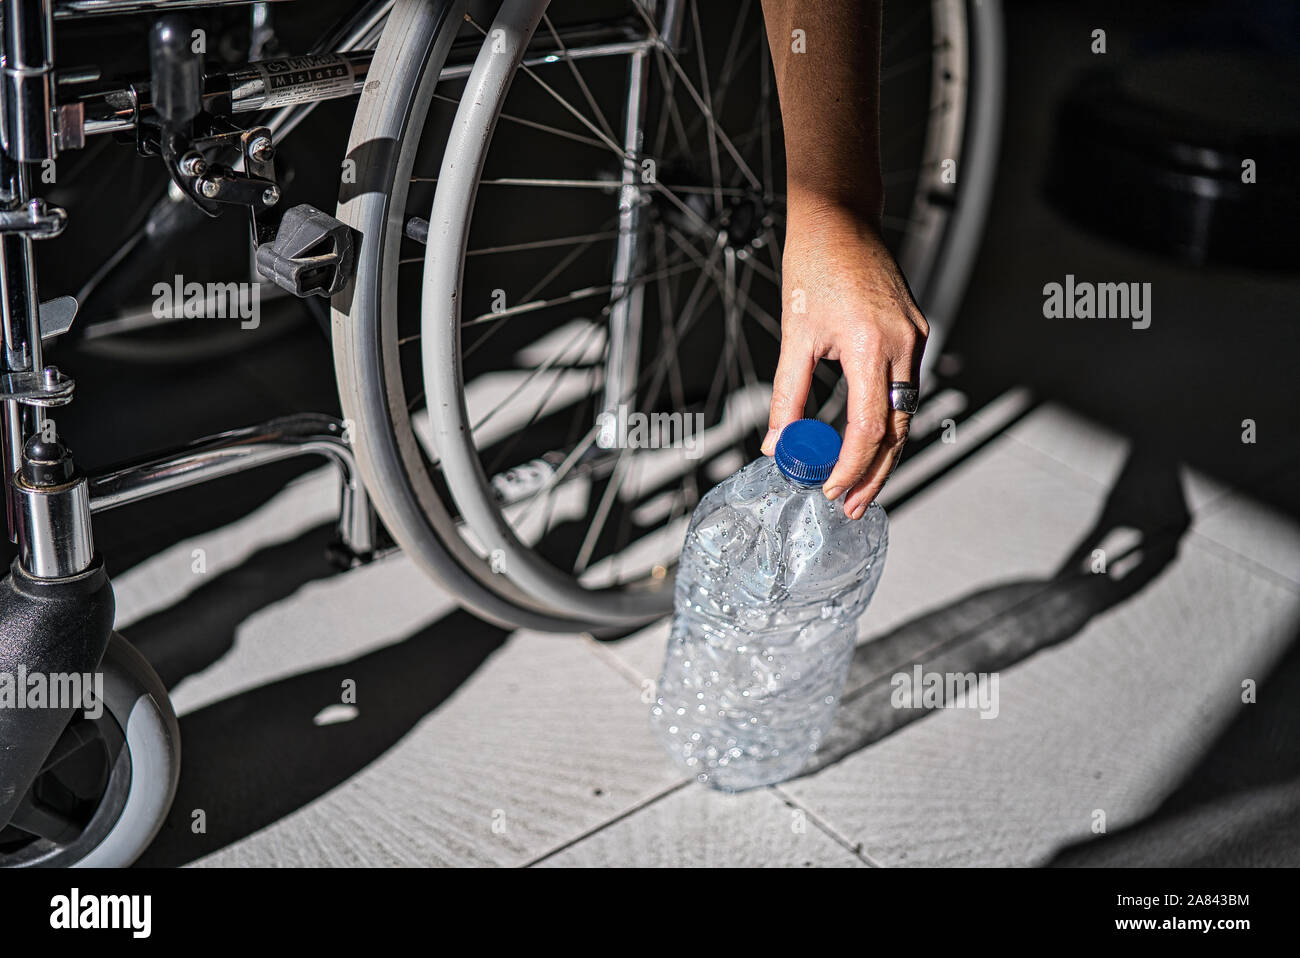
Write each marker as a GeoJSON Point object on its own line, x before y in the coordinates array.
{"type": "Point", "coordinates": [27, 128]}
{"type": "Point", "coordinates": [115, 111]}
{"type": "Point", "coordinates": [28, 80]}
{"type": "Point", "coordinates": [228, 453]}
{"type": "Point", "coordinates": [56, 540]}
{"type": "Point", "coordinates": [82, 9]}
{"type": "Point", "coordinates": [359, 32]}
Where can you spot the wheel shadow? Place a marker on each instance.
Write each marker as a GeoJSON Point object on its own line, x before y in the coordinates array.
{"type": "Point", "coordinates": [992, 629]}
{"type": "Point", "coordinates": [197, 631]}
{"type": "Point", "coordinates": [257, 756]}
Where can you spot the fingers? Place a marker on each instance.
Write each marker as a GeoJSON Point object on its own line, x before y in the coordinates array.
{"type": "Point", "coordinates": [861, 495]}
{"type": "Point", "coordinates": [794, 372]}
{"type": "Point", "coordinates": [866, 420]}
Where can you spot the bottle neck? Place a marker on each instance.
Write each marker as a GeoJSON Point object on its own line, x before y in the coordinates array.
{"type": "Point", "coordinates": [794, 485]}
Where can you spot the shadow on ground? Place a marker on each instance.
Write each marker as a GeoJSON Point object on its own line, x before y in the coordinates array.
{"type": "Point", "coordinates": [257, 756]}
{"type": "Point", "coordinates": [253, 758]}
{"type": "Point", "coordinates": [1239, 807]}
{"type": "Point", "coordinates": [992, 629]}
{"type": "Point", "coordinates": [187, 637]}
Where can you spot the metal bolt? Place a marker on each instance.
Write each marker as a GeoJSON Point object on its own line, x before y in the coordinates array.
{"type": "Point", "coordinates": [261, 148]}
{"type": "Point", "coordinates": [271, 196]}
{"type": "Point", "coordinates": [51, 376]}
{"type": "Point", "coordinates": [209, 188]}
{"type": "Point", "coordinates": [193, 164]}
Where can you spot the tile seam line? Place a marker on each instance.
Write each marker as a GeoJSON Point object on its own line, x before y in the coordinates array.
{"type": "Point", "coordinates": [609, 655]}
{"type": "Point", "coordinates": [1211, 506]}
{"type": "Point", "coordinates": [627, 813]}
{"type": "Point", "coordinates": [1255, 567]}
{"type": "Point", "coordinates": [826, 828]}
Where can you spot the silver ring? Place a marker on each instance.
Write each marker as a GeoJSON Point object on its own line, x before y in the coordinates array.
{"type": "Point", "coordinates": [904, 397]}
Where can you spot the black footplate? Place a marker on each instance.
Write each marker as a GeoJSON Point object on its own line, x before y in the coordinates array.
{"type": "Point", "coordinates": [312, 253]}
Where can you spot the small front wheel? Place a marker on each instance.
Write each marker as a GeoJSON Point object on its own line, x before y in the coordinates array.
{"type": "Point", "coordinates": [108, 784]}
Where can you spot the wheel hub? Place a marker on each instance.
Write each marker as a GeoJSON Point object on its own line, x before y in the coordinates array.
{"type": "Point", "coordinates": [742, 219]}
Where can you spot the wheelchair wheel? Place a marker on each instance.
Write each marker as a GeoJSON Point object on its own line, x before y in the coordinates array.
{"type": "Point", "coordinates": [609, 264]}
{"type": "Point", "coordinates": [109, 782]}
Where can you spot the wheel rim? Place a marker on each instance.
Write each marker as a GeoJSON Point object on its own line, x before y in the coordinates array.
{"type": "Point", "coordinates": [481, 480]}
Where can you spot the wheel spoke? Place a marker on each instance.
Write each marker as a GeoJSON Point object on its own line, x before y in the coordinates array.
{"type": "Point", "coordinates": [563, 102]}
{"type": "Point", "coordinates": [577, 76]}
{"type": "Point", "coordinates": [627, 288]}
{"type": "Point", "coordinates": [545, 401]}
{"type": "Point", "coordinates": [768, 274]}
{"type": "Point", "coordinates": [536, 289]}
{"type": "Point", "coordinates": [752, 309]}
{"type": "Point", "coordinates": [545, 128]}
{"type": "Point", "coordinates": [712, 138]}
{"type": "Point", "coordinates": [729, 59]}
{"type": "Point", "coordinates": [669, 115]}
{"type": "Point", "coordinates": [580, 338]}
{"type": "Point", "coordinates": [610, 186]}
{"type": "Point", "coordinates": [602, 512]}
{"type": "Point", "coordinates": [587, 239]}
{"type": "Point", "coordinates": [703, 107]}
{"type": "Point", "coordinates": [626, 160]}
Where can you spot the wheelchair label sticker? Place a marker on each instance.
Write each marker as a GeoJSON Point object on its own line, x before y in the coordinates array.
{"type": "Point", "coordinates": [305, 79]}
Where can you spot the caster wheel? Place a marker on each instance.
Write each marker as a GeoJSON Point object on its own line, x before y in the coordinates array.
{"type": "Point", "coordinates": [108, 784]}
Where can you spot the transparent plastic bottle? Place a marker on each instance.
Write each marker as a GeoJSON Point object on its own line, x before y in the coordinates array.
{"type": "Point", "coordinates": [772, 580]}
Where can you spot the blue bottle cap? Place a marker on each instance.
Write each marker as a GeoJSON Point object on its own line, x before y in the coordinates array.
{"type": "Point", "coordinates": [807, 451]}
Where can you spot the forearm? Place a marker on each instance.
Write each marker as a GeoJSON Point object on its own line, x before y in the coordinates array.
{"type": "Point", "coordinates": [830, 104]}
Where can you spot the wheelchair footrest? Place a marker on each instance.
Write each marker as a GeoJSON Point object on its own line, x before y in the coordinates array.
{"type": "Point", "coordinates": [312, 253]}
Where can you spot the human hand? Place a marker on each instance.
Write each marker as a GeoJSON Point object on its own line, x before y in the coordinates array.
{"type": "Point", "coordinates": [858, 310]}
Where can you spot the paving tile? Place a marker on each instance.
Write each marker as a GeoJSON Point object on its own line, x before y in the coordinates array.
{"type": "Point", "coordinates": [539, 744]}
{"type": "Point", "coordinates": [1108, 719]}
{"type": "Point", "coordinates": [1256, 532]}
{"type": "Point", "coordinates": [166, 578]}
{"type": "Point", "coordinates": [1074, 441]}
{"type": "Point", "coordinates": [641, 654]}
{"type": "Point", "coordinates": [322, 623]}
{"type": "Point", "coordinates": [1233, 518]}
{"type": "Point", "coordinates": [982, 552]}
{"type": "Point", "coordinates": [470, 746]}
{"type": "Point", "coordinates": [696, 826]}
